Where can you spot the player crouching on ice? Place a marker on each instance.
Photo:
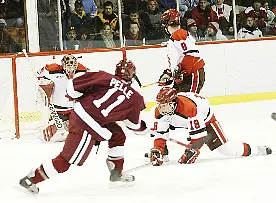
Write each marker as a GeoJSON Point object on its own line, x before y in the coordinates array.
{"type": "Point", "coordinates": [53, 79]}
{"type": "Point", "coordinates": [102, 99]}
{"type": "Point", "coordinates": [191, 111]}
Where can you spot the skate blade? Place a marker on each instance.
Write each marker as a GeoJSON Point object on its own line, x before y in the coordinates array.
{"type": "Point", "coordinates": [20, 188]}
{"type": "Point", "coordinates": [120, 184]}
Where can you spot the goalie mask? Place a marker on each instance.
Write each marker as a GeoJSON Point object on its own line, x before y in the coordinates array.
{"type": "Point", "coordinates": [166, 100]}
{"type": "Point", "coordinates": [170, 17]}
{"type": "Point", "coordinates": [126, 70]}
{"type": "Point", "coordinates": [69, 64]}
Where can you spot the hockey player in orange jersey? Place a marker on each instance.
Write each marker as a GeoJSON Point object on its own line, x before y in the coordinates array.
{"type": "Point", "coordinates": [186, 67]}
{"type": "Point", "coordinates": [53, 79]}
{"type": "Point", "coordinates": [193, 112]}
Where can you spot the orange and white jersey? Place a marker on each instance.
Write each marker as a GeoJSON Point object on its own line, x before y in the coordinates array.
{"type": "Point", "coordinates": [192, 112]}
{"type": "Point", "coordinates": [183, 53]}
{"type": "Point", "coordinates": [54, 73]}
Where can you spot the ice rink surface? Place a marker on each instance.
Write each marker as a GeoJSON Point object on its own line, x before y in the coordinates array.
{"type": "Point", "coordinates": [213, 178]}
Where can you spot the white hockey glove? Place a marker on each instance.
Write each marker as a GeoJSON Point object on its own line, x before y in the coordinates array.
{"type": "Point", "coordinates": [156, 157]}
{"type": "Point", "coordinates": [189, 156]}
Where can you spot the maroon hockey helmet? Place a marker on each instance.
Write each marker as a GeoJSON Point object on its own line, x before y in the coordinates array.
{"type": "Point", "coordinates": [170, 17]}
{"type": "Point", "coordinates": [126, 70]}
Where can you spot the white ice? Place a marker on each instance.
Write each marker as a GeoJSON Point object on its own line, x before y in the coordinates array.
{"type": "Point", "coordinates": [213, 178]}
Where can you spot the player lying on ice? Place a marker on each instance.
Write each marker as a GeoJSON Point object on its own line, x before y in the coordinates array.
{"type": "Point", "coordinates": [101, 99]}
{"type": "Point", "coordinates": [53, 79]}
{"type": "Point", "coordinates": [191, 111]}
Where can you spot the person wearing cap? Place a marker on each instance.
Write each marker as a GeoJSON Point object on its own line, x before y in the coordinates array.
{"type": "Point", "coordinates": [192, 29]}
{"type": "Point", "coordinates": [213, 32]}
{"type": "Point", "coordinates": [71, 43]}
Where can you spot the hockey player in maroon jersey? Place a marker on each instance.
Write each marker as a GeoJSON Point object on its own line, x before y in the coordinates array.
{"type": "Point", "coordinates": [101, 99]}
{"type": "Point", "coordinates": [53, 79]}
{"type": "Point", "coordinates": [193, 112]}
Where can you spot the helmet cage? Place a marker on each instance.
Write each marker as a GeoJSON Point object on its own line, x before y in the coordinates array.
{"type": "Point", "coordinates": [69, 64]}
{"type": "Point", "coordinates": [166, 108]}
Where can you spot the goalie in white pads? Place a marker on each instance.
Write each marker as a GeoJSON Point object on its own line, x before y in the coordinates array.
{"type": "Point", "coordinates": [194, 112]}
{"type": "Point", "coordinates": [53, 79]}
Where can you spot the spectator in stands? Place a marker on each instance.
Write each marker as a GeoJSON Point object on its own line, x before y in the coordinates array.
{"type": "Point", "coordinates": [100, 5]}
{"type": "Point", "coordinates": [249, 29]}
{"type": "Point", "coordinates": [151, 18]}
{"type": "Point", "coordinates": [14, 13]}
{"type": "Point", "coordinates": [223, 12]}
{"type": "Point", "coordinates": [270, 17]}
{"type": "Point", "coordinates": [272, 30]}
{"type": "Point", "coordinates": [79, 18]}
{"type": "Point", "coordinates": [258, 13]}
{"type": "Point", "coordinates": [47, 25]}
{"type": "Point", "coordinates": [107, 16]}
{"type": "Point", "coordinates": [192, 28]}
{"type": "Point", "coordinates": [166, 4]}
{"type": "Point", "coordinates": [134, 16]}
{"type": "Point", "coordinates": [213, 33]}
{"type": "Point", "coordinates": [184, 6]}
{"type": "Point", "coordinates": [133, 36]}
{"type": "Point", "coordinates": [203, 14]}
{"type": "Point", "coordinates": [72, 43]}
{"type": "Point", "coordinates": [8, 44]}
{"type": "Point", "coordinates": [106, 38]}
{"type": "Point", "coordinates": [89, 7]}
{"type": "Point", "coordinates": [85, 39]}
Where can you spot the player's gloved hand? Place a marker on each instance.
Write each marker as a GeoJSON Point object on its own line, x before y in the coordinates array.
{"type": "Point", "coordinates": [166, 78]}
{"type": "Point", "coordinates": [189, 156]}
{"type": "Point", "coordinates": [142, 130]}
{"type": "Point", "coordinates": [156, 157]}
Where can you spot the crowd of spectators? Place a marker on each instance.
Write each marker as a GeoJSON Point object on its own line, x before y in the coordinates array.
{"type": "Point", "coordinates": [94, 23]}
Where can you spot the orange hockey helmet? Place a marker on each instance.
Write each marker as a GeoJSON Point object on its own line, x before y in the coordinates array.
{"type": "Point", "coordinates": [126, 70]}
{"type": "Point", "coordinates": [170, 17]}
{"type": "Point", "coordinates": [166, 100]}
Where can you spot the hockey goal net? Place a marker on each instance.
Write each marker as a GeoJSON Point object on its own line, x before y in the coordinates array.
{"type": "Point", "coordinates": [23, 110]}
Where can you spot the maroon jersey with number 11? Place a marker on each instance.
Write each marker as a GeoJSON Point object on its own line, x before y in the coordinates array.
{"type": "Point", "coordinates": [105, 99]}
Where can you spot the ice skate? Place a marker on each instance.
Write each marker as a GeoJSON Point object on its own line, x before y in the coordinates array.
{"type": "Point", "coordinates": [264, 150]}
{"type": "Point", "coordinates": [27, 183]}
{"type": "Point", "coordinates": [165, 158]}
{"type": "Point", "coordinates": [116, 175]}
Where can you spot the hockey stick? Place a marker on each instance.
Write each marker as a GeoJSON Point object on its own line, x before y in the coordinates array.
{"type": "Point", "coordinates": [57, 120]}
{"type": "Point", "coordinates": [148, 85]}
{"type": "Point", "coordinates": [137, 168]}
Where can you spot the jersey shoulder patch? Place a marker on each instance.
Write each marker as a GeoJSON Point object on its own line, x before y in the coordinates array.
{"type": "Point", "coordinates": [53, 67]}
{"type": "Point", "coordinates": [180, 34]}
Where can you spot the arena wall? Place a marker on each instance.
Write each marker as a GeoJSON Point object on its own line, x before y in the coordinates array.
{"type": "Point", "coordinates": [235, 72]}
